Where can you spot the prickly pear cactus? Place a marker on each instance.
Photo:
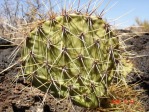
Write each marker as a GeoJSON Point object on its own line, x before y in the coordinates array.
{"type": "Point", "coordinates": [74, 56]}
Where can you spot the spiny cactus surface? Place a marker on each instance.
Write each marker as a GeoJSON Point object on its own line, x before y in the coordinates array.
{"type": "Point", "coordinates": [73, 56]}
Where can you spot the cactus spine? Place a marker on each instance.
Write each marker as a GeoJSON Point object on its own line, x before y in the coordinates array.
{"type": "Point", "coordinates": [75, 56]}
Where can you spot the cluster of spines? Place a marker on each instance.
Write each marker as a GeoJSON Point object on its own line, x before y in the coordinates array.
{"type": "Point", "coordinates": [66, 88]}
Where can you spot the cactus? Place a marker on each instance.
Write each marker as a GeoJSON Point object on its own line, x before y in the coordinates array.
{"type": "Point", "coordinates": [74, 55]}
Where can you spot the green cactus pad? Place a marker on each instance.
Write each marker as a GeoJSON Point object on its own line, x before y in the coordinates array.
{"type": "Point", "coordinates": [73, 56]}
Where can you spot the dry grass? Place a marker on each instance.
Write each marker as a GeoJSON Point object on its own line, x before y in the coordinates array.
{"type": "Point", "coordinates": [125, 99]}
{"type": "Point", "coordinates": [143, 25]}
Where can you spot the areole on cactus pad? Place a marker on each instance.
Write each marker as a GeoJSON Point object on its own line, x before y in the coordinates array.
{"type": "Point", "coordinates": [74, 56]}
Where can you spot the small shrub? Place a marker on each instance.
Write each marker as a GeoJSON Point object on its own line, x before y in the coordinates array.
{"type": "Point", "coordinates": [144, 25]}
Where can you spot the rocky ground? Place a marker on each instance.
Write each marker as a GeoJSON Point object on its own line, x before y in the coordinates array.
{"type": "Point", "coordinates": [139, 45]}
{"type": "Point", "coordinates": [22, 97]}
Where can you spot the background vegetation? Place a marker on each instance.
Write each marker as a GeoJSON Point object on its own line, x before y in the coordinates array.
{"type": "Point", "coordinates": [144, 25]}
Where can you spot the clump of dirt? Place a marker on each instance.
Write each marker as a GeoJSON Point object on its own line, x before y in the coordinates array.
{"type": "Point", "coordinates": [20, 96]}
